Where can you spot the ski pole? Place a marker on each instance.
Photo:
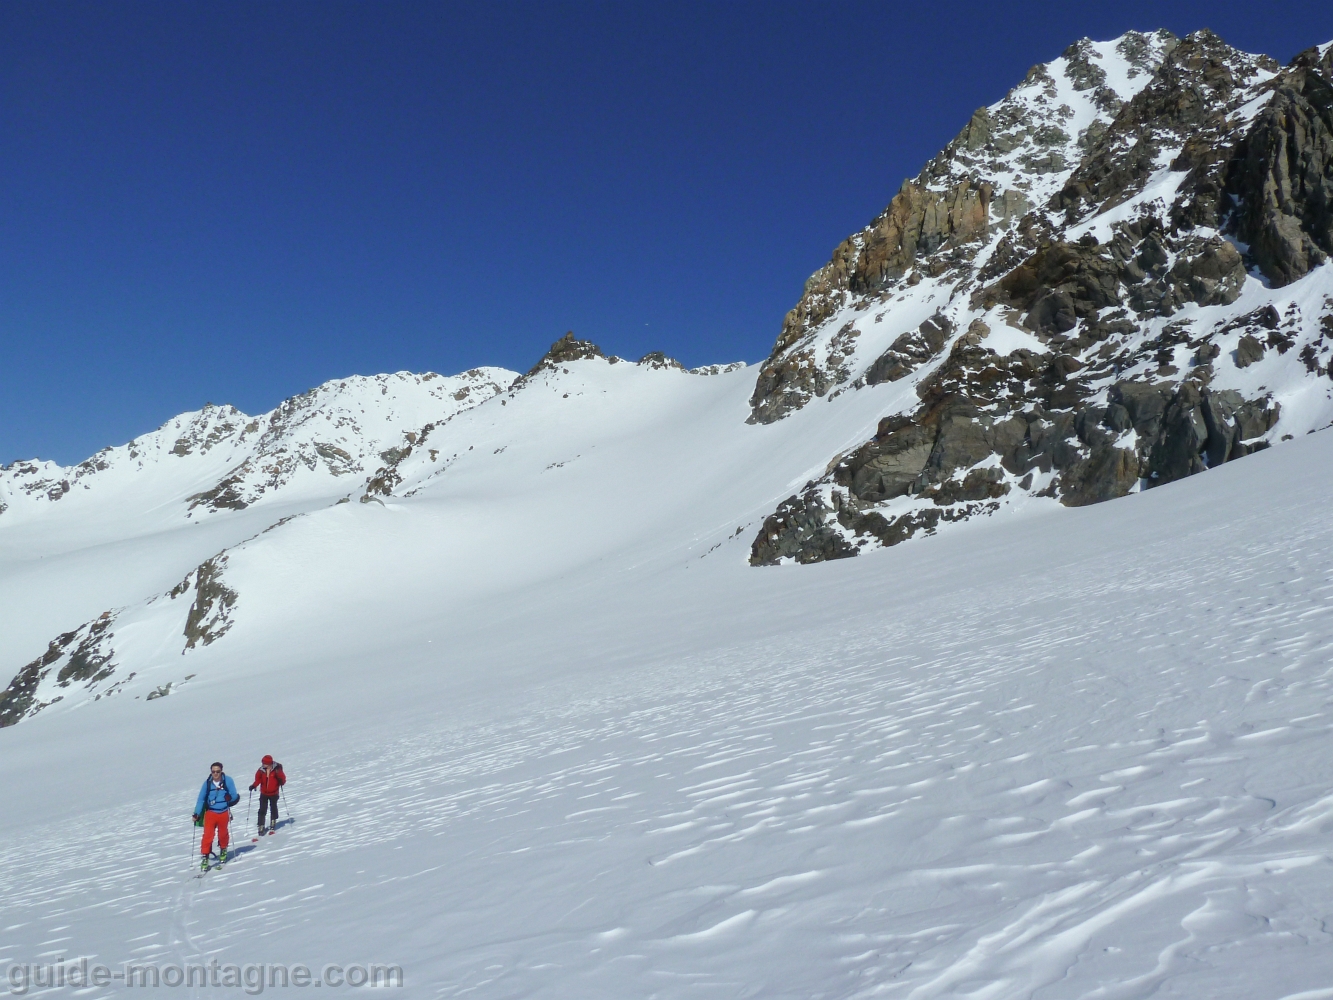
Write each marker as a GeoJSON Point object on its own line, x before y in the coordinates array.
{"type": "Point", "coordinates": [286, 808]}
{"type": "Point", "coordinates": [249, 804]}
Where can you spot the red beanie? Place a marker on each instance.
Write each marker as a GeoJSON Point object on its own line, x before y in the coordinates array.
{"type": "Point", "coordinates": [268, 759]}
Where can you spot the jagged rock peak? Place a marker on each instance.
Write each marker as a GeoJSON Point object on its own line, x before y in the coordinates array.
{"type": "Point", "coordinates": [1008, 159]}
{"type": "Point", "coordinates": [1075, 298]}
{"type": "Point", "coordinates": [568, 348]}
{"type": "Point", "coordinates": [658, 360]}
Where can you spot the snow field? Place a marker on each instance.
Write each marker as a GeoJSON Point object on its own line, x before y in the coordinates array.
{"type": "Point", "coordinates": [1075, 755]}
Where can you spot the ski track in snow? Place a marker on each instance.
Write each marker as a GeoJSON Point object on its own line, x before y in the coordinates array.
{"type": "Point", "coordinates": [1107, 780]}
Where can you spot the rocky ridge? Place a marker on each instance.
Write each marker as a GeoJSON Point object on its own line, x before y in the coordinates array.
{"type": "Point", "coordinates": [1107, 281]}
{"type": "Point", "coordinates": [328, 439]}
{"type": "Point", "coordinates": [414, 467]}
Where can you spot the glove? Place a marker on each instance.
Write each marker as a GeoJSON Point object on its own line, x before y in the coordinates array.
{"type": "Point", "coordinates": [252, 788]}
{"type": "Point", "coordinates": [195, 818]}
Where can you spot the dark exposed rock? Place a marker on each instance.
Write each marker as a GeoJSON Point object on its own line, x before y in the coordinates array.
{"type": "Point", "coordinates": [799, 529]}
{"type": "Point", "coordinates": [89, 657]}
{"type": "Point", "coordinates": [1144, 404]}
{"type": "Point", "coordinates": [1061, 284]}
{"type": "Point", "coordinates": [209, 617]}
{"type": "Point", "coordinates": [787, 384]}
{"type": "Point", "coordinates": [891, 464]}
{"type": "Point", "coordinates": [1064, 283]}
{"type": "Point", "coordinates": [1256, 418]}
{"type": "Point", "coordinates": [806, 529]}
{"type": "Point", "coordinates": [568, 348]}
{"type": "Point", "coordinates": [918, 221]}
{"type": "Point", "coordinates": [1248, 351]}
{"type": "Point", "coordinates": [659, 361]}
{"type": "Point", "coordinates": [18, 698]}
{"type": "Point", "coordinates": [940, 452]}
{"type": "Point", "coordinates": [1107, 473]}
{"type": "Point", "coordinates": [226, 495]}
{"type": "Point", "coordinates": [977, 484]}
{"type": "Point", "coordinates": [1283, 175]}
{"type": "Point", "coordinates": [90, 660]}
{"type": "Point", "coordinates": [382, 483]}
{"type": "Point", "coordinates": [338, 461]}
{"type": "Point", "coordinates": [1177, 451]}
{"type": "Point", "coordinates": [1083, 73]}
{"type": "Point", "coordinates": [911, 350]}
{"type": "Point", "coordinates": [1209, 271]}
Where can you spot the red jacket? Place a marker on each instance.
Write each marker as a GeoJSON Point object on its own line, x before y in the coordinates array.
{"type": "Point", "coordinates": [269, 783]}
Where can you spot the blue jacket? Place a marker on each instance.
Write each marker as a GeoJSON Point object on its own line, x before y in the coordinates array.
{"type": "Point", "coordinates": [218, 799]}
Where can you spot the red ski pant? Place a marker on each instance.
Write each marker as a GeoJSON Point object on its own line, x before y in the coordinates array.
{"type": "Point", "coordinates": [215, 821]}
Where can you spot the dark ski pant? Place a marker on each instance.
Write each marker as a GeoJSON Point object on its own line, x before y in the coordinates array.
{"type": "Point", "coordinates": [269, 802]}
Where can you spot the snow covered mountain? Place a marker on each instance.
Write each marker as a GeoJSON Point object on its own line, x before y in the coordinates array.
{"type": "Point", "coordinates": [221, 459]}
{"type": "Point", "coordinates": [1109, 280]}
{"type": "Point", "coordinates": [551, 733]}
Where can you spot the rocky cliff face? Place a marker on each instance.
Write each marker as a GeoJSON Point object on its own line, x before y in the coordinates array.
{"type": "Point", "coordinates": [1111, 279]}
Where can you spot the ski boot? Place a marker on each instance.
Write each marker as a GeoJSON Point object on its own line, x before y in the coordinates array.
{"type": "Point", "coordinates": [222, 856]}
{"type": "Point", "coordinates": [273, 828]}
{"type": "Point", "coordinates": [203, 862]}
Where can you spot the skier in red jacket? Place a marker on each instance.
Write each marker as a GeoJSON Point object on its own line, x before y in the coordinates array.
{"type": "Point", "coordinates": [269, 779]}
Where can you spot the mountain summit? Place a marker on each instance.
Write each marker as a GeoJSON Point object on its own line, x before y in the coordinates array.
{"type": "Point", "coordinates": [1109, 280]}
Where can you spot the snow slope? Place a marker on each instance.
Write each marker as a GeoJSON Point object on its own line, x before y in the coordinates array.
{"type": "Point", "coordinates": [549, 735]}
{"type": "Point", "coordinates": [107, 532]}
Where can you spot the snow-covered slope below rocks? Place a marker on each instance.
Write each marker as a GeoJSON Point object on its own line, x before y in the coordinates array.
{"type": "Point", "coordinates": [131, 521]}
{"type": "Point", "coordinates": [590, 463]}
{"type": "Point", "coordinates": [1075, 755]}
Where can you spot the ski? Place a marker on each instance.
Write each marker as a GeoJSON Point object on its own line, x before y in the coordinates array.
{"type": "Point", "coordinates": [213, 866]}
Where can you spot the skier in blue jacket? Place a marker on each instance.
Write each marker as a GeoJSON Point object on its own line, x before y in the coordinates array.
{"type": "Point", "coordinates": [213, 807]}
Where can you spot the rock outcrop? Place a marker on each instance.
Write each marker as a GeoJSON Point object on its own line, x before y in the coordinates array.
{"type": "Point", "coordinates": [85, 657]}
{"type": "Point", "coordinates": [81, 656]}
{"type": "Point", "coordinates": [1070, 270]}
{"type": "Point", "coordinates": [1281, 175]}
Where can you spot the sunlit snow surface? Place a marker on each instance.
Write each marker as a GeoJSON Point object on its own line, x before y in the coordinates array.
{"type": "Point", "coordinates": [549, 738]}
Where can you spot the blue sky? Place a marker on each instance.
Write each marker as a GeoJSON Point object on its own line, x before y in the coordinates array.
{"type": "Point", "coordinates": [233, 202]}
